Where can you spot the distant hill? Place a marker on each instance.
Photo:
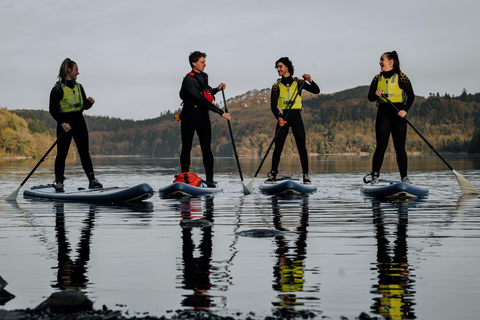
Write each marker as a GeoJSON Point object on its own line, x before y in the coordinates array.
{"type": "Point", "coordinates": [337, 123]}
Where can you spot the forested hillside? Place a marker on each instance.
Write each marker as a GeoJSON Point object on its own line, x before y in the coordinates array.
{"type": "Point", "coordinates": [336, 123]}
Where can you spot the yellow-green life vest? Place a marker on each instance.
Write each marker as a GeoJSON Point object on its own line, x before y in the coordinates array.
{"type": "Point", "coordinates": [286, 94]}
{"type": "Point", "coordinates": [390, 88]}
{"type": "Point", "coordinates": [72, 98]}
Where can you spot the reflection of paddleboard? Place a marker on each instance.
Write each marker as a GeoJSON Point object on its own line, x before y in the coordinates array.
{"type": "Point", "coordinates": [287, 186]}
{"type": "Point", "coordinates": [103, 195]}
{"type": "Point", "coordinates": [180, 189]}
{"type": "Point", "coordinates": [394, 190]}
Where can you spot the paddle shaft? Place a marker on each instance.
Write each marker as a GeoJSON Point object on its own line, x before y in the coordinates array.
{"type": "Point", "coordinates": [291, 102]}
{"type": "Point", "coordinates": [43, 158]}
{"type": "Point", "coordinates": [231, 137]}
{"type": "Point", "coordinates": [418, 132]}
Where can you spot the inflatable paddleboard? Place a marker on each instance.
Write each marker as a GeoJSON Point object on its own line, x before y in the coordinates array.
{"type": "Point", "coordinates": [181, 189]}
{"type": "Point", "coordinates": [287, 186]}
{"type": "Point", "coordinates": [394, 190]}
{"type": "Point", "coordinates": [103, 195]}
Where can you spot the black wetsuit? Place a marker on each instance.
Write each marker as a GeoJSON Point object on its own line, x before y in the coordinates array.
{"type": "Point", "coordinates": [195, 117]}
{"type": "Point", "coordinates": [389, 122]}
{"type": "Point", "coordinates": [79, 132]}
{"type": "Point", "coordinates": [294, 120]}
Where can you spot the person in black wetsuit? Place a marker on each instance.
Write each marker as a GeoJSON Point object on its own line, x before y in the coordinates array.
{"type": "Point", "coordinates": [67, 102]}
{"type": "Point", "coordinates": [198, 97]}
{"type": "Point", "coordinates": [396, 85]}
{"type": "Point", "coordinates": [284, 91]}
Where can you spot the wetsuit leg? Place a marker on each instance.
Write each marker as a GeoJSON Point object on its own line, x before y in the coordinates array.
{"type": "Point", "coordinates": [279, 142]}
{"type": "Point", "coordinates": [80, 136]}
{"type": "Point", "coordinates": [187, 130]}
{"type": "Point", "coordinates": [382, 133]}
{"type": "Point", "coordinates": [204, 132]}
{"type": "Point", "coordinates": [399, 135]}
{"type": "Point", "coordinates": [63, 145]}
{"type": "Point", "coordinates": [298, 131]}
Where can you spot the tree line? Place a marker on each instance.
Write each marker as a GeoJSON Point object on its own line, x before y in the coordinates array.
{"type": "Point", "coordinates": [339, 123]}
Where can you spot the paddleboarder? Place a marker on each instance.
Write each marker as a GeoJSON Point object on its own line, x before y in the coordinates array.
{"type": "Point", "coordinates": [395, 85]}
{"type": "Point", "coordinates": [198, 97]}
{"type": "Point", "coordinates": [67, 102]}
{"type": "Point", "coordinates": [286, 105]}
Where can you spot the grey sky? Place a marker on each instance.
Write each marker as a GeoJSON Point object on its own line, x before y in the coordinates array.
{"type": "Point", "coordinates": [133, 55]}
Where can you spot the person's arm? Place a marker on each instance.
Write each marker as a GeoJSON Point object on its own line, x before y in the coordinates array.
{"type": "Point", "coordinates": [88, 102]}
{"type": "Point", "coordinates": [56, 95]}
{"type": "Point", "coordinates": [406, 86]}
{"type": "Point", "coordinates": [274, 100]}
{"type": "Point", "coordinates": [309, 85]}
{"type": "Point", "coordinates": [372, 96]}
{"type": "Point", "coordinates": [192, 91]}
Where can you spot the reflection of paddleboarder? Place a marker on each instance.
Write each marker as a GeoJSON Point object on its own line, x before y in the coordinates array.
{"type": "Point", "coordinates": [290, 269]}
{"type": "Point", "coordinates": [394, 279]}
{"type": "Point", "coordinates": [72, 273]}
{"type": "Point", "coordinates": [197, 269]}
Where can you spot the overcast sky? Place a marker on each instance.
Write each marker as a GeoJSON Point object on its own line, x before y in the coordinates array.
{"type": "Point", "coordinates": [133, 55]}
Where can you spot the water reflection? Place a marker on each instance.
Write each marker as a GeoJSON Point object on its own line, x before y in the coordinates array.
{"type": "Point", "coordinates": [197, 258]}
{"type": "Point", "coordinates": [395, 283]}
{"type": "Point", "coordinates": [71, 273]}
{"type": "Point", "coordinates": [290, 253]}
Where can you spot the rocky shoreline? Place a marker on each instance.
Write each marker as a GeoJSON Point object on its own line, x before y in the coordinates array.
{"type": "Point", "coordinates": [74, 305]}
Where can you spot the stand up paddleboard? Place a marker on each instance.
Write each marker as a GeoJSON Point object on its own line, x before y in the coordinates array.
{"type": "Point", "coordinates": [103, 195]}
{"type": "Point", "coordinates": [394, 190]}
{"type": "Point", "coordinates": [181, 189]}
{"type": "Point", "coordinates": [287, 186]}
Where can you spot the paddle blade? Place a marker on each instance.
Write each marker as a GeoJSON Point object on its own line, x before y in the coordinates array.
{"type": "Point", "coordinates": [465, 186]}
{"type": "Point", "coordinates": [246, 190]}
{"type": "Point", "coordinates": [249, 187]}
{"type": "Point", "coordinates": [13, 196]}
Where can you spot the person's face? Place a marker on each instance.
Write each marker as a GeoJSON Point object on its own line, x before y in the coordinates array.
{"type": "Point", "coordinates": [282, 70]}
{"type": "Point", "coordinates": [200, 65]}
{"type": "Point", "coordinates": [385, 63]}
{"type": "Point", "coordinates": [72, 73]}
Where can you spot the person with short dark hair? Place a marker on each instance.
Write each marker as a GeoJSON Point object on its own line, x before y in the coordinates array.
{"type": "Point", "coordinates": [67, 102]}
{"type": "Point", "coordinates": [282, 94]}
{"type": "Point", "coordinates": [198, 97]}
{"type": "Point", "coordinates": [395, 85]}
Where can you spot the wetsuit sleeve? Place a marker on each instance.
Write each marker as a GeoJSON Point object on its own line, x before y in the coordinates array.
{"type": "Point", "coordinates": [56, 95]}
{"type": "Point", "coordinates": [373, 87]}
{"type": "Point", "coordinates": [191, 90]}
{"type": "Point", "coordinates": [274, 100]}
{"type": "Point", "coordinates": [311, 87]}
{"type": "Point", "coordinates": [87, 104]}
{"type": "Point", "coordinates": [406, 86]}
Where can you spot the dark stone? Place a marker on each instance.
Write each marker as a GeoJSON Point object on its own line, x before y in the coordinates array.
{"type": "Point", "coordinates": [5, 296]}
{"type": "Point", "coordinates": [192, 223]}
{"type": "Point", "coordinates": [66, 301]}
{"type": "Point", "coordinates": [3, 283]}
{"type": "Point", "coordinates": [260, 233]}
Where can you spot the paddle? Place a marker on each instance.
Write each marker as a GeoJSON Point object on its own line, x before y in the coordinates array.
{"type": "Point", "coordinates": [291, 102]}
{"type": "Point", "coordinates": [465, 186]}
{"type": "Point", "coordinates": [245, 189]}
{"type": "Point", "coordinates": [13, 196]}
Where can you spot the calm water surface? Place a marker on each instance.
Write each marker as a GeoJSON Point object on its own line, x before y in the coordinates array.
{"type": "Point", "coordinates": [336, 252]}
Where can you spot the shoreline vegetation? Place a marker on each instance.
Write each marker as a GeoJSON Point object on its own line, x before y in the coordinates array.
{"type": "Point", "coordinates": [337, 124]}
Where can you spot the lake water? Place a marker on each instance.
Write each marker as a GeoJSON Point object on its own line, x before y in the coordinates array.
{"type": "Point", "coordinates": [339, 254]}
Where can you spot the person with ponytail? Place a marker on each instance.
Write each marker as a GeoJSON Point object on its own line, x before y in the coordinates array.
{"type": "Point", "coordinates": [395, 85]}
{"type": "Point", "coordinates": [67, 102]}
